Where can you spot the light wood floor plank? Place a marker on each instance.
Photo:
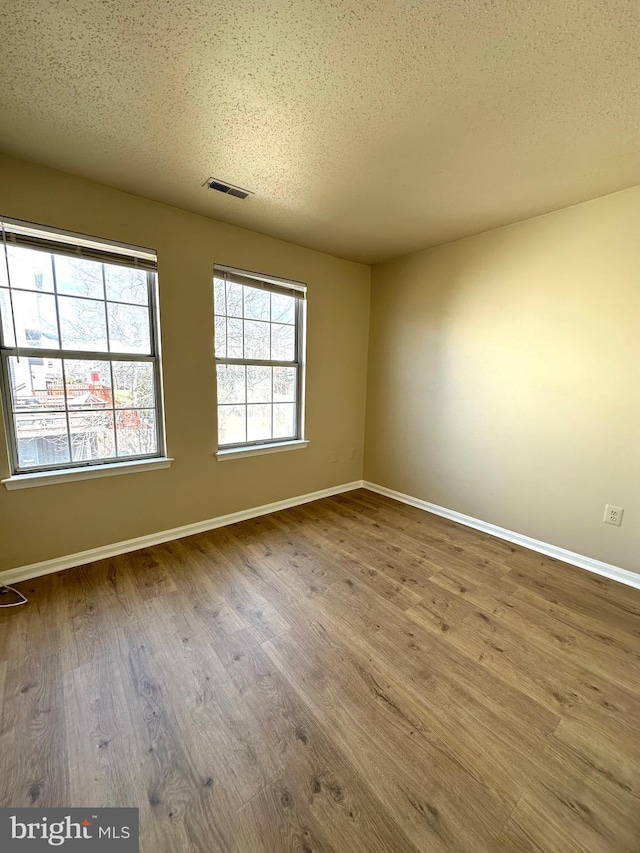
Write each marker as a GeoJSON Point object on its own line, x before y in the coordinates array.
{"type": "Point", "coordinates": [440, 805]}
{"type": "Point", "coordinates": [348, 675]}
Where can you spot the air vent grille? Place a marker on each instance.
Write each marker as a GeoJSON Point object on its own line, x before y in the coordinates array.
{"type": "Point", "coordinates": [228, 189]}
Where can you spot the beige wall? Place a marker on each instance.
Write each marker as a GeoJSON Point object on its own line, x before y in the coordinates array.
{"type": "Point", "coordinates": [42, 523]}
{"type": "Point", "coordinates": [504, 377]}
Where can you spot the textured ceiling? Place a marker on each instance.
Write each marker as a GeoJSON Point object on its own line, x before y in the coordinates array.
{"type": "Point", "coordinates": [365, 129]}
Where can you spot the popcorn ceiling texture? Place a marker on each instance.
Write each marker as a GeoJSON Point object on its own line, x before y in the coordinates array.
{"type": "Point", "coordinates": [365, 129]}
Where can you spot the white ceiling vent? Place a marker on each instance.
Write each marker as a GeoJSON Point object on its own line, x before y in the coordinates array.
{"type": "Point", "coordinates": [228, 189]}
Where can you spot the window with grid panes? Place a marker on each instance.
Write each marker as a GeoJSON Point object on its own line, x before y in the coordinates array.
{"type": "Point", "coordinates": [79, 350]}
{"type": "Point", "coordinates": [259, 346]}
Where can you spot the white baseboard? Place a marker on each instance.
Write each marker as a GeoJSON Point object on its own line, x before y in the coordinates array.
{"type": "Point", "coordinates": [58, 564]}
{"type": "Point", "coordinates": [614, 573]}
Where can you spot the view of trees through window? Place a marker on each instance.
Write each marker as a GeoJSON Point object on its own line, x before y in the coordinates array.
{"type": "Point", "coordinates": [256, 344]}
{"type": "Point", "coordinates": [78, 352]}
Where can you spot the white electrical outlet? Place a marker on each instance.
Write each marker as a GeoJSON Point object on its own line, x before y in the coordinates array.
{"type": "Point", "coordinates": [613, 515]}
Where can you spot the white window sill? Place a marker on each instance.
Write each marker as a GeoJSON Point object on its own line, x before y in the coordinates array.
{"type": "Point", "coordinates": [67, 475]}
{"type": "Point", "coordinates": [259, 449]}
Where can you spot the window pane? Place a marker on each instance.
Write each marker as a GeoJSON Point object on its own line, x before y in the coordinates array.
{"type": "Point", "coordinates": [257, 304]}
{"type": "Point", "coordinates": [234, 300]}
{"type": "Point", "coordinates": [28, 268]}
{"type": "Point", "coordinates": [256, 339]}
{"type": "Point", "coordinates": [283, 342]}
{"type": "Point", "coordinates": [136, 432]}
{"type": "Point", "coordinates": [231, 383]}
{"type": "Point", "coordinates": [128, 328]}
{"type": "Point", "coordinates": [133, 384]}
{"type": "Point", "coordinates": [284, 420]}
{"type": "Point", "coordinates": [218, 296]}
{"type": "Point", "coordinates": [36, 384]}
{"type": "Point", "coordinates": [283, 308]}
{"type": "Point", "coordinates": [221, 337]}
{"type": "Point", "coordinates": [78, 277]}
{"type": "Point", "coordinates": [41, 439]}
{"type": "Point", "coordinates": [67, 407]}
{"type": "Point", "coordinates": [284, 384]}
{"type": "Point", "coordinates": [259, 384]}
{"type": "Point", "coordinates": [35, 319]}
{"type": "Point", "coordinates": [82, 324]}
{"type": "Point", "coordinates": [234, 339]}
{"type": "Point", "coordinates": [91, 435]}
{"type": "Point", "coordinates": [258, 422]}
{"type": "Point", "coordinates": [88, 384]}
{"type": "Point", "coordinates": [258, 326]}
{"type": "Point", "coordinates": [232, 422]}
{"type": "Point", "coordinates": [124, 284]}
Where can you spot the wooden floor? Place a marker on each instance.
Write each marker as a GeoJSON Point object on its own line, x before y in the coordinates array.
{"type": "Point", "coordinates": [350, 675]}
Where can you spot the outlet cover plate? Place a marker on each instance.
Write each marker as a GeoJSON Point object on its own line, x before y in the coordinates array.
{"type": "Point", "coordinates": [613, 515]}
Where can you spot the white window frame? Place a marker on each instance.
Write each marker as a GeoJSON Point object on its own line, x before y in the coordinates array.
{"type": "Point", "coordinates": [287, 287]}
{"type": "Point", "coordinates": [54, 241]}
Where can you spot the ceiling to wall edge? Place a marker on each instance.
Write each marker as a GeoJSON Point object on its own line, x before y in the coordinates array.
{"type": "Point", "coordinates": [373, 264]}
{"type": "Point", "coordinates": [505, 225]}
